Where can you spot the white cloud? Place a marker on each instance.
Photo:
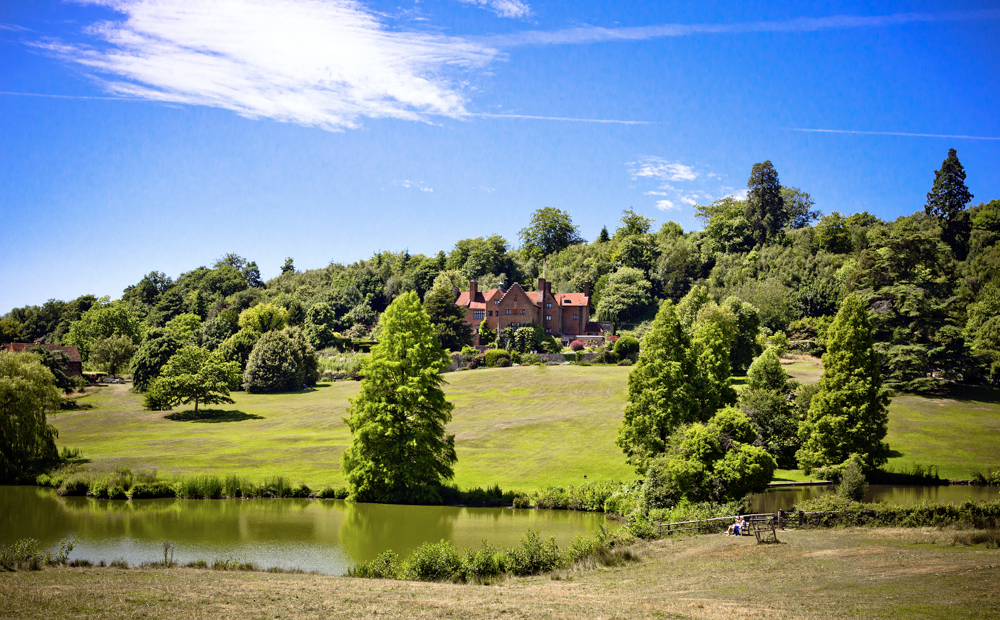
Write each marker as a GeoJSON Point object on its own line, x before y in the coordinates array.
{"type": "Point", "coordinates": [503, 8]}
{"type": "Point", "coordinates": [658, 168]}
{"type": "Point", "coordinates": [666, 205]}
{"type": "Point", "coordinates": [317, 63]}
{"type": "Point", "coordinates": [427, 189]}
{"type": "Point", "coordinates": [408, 184]}
{"type": "Point", "coordinates": [595, 34]}
{"type": "Point", "coordinates": [738, 194]}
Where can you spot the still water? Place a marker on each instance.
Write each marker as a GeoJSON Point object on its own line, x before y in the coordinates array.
{"type": "Point", "coordinates": [326, 536]}
{"type": "Point", "coordinates": [784, 498]}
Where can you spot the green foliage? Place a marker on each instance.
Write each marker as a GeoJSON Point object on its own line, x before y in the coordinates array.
{"type": "Point", "coordinates": [448, 319]}
{"type": "Point", "coordinates": [770, 403]}
{"type": "Point", "coordinates": [263, 318]}
{"type": "Point", "coordinates": [661, 393]}
{"type": "Point", "coordinates": [766, 373]}
{"type": "Point", "coordinates": [102, 320]}
{"type": "Point", "coordinates": [58, 364]}
{"type": "Point", "coordinates": [853, 485]}
{"type": "Point", "coordinates": [438, 561]}
{"type": "Point", "coordinates": [765, 206]}
{"type": "Point", "coordinates": [712, 338]}
{"type": "Point", "coordinates": [626, 347]}
{"type": "Point", "coordinates": [281, 361]}
{"type": "Point", "coordinates": [745, 346]}
{"type": "Point", "coordinates": [947, 201]}
{"type": "Point", "coordinates": [709, 462]}
{"type": "Point", "coordinates": [632, 224]}
{"type": "Point", "coordinates": [626, 296]}
{"type": "Point", "coordinates": [550, 230]}
{"type": "Point", "coordinates": [27, 390]}
{"type": "Point", "coordinates": [833, 235]}
{"type": "Point", "coordinates": [400, 452]}
{"type": "Point", "coordinates": [320, 321]}
{"type": "Point", "coordinates": [385, 566]}
{"type": "Point", "coordinates": [183, 327]}
{"type": "Point", "coordinates": [194, 374]}
{"type": "Point", "coordinates": [156, 350]}
{"type": "Point", "coordinates": [533, 555]}
{"type": "Point", "coordinates": [849, 413]}
{"type": "Point", "coordinates": [496, 357]}
{"type": "Point", "coordinates": [238, 347]}
{"type": "Point", "coordinates": [112, 353]}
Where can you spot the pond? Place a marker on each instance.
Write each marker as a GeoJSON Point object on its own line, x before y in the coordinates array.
{"type": "Point", "coordinates": [327, 536]}
{"type": "Point", "coordinates": [785, 497]}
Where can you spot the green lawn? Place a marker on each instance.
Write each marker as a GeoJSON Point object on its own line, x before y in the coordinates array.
{"type": "Point", "coordinates": [522, 428]}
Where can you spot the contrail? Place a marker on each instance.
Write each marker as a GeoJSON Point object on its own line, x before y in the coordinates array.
{"type": "Point", "coordinates": [894, 133]}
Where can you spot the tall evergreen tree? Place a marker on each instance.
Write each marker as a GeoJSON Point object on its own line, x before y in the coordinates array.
{"type": "Point", "coordinates": [765, 207]}
{"type": "Point", "coordinates": [947, 201]}
{"type": "Point", "coordinates": [661, 394]}
{"type": "Point", "coordinates": [400, 452]}
{"type": "Point", "coordinates": [849, 414]}
{"type": "Point", "coordinates": [603, 237]}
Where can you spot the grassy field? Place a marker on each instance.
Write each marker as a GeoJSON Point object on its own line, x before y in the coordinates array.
{"type": "Point", "coordinates": [522, 428]}
{"type": "Point", "coordinates": [812, 574]}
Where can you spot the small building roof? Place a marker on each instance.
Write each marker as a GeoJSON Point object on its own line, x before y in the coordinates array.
{"type": "Point", "coordinates": [20, 347]}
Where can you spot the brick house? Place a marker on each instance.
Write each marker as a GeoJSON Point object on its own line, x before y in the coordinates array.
{"type": "Point", "coordinates": [74, 366]}
{"type": "Point", "coordinates": [560, 314]}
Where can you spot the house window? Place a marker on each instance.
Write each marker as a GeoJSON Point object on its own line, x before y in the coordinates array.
{"type": "Point", "coordinates": [566, 302]}
{"type": "Point", "coordinates": [548, 331]}
{"type": "Point", "coordinates": [548, 317]}
{"type": "Point", "coordinates": [576, 316]}
{"type": "Point", "coordinates": [478, 314]}
{"type": "Point", "coordinates": [496, 303]}
{"type": "Point", "coordinates": [508, 312]}
{"type": "Point", "coordinates": [515, 324]}
{"type": "Point", "coordinates": [548, 306]}
{"type": "Point", "coordinates": [522, 311]}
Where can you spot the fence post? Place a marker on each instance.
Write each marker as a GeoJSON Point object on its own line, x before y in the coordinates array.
{"type": "Point", "coordinates": [781, 518]}
{"type": "Point", "coordinates": [802, 518]}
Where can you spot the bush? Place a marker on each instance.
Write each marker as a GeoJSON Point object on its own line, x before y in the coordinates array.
{"type": "Point", "coordinates": [990, 478]}
{"type": "Point", "coordinates": [332, 493]}
{"type": "Point", "coordinates": [432, 562]}
{"type": "Point", "coordinates": [533, 556]}
{"type": "Point", "coordinates": [467, 350]}
{"type": "Point", "coordinates": [606, 357]}
{"type": "Point", "coordinates": [495, 358]}
{"type": "Point", "coordinates": [201, 487]}
{"type": "Point", "coordinates": [281, 361]}
{"type": "Point", "coordinates": [385, 566]}
{"type": "Point", "coordinates": [576, 346]}
{"type": "Point", "coordinates": [483, 565]}
{"type": "Point", "coordinates": [151, 490]}
{"type": "Point", "coordinates": [842, 511]}
{"type": "Point", "coordinates": [627, 347]}
{"type": "Point", "coordinates": [625, 362]}
{"type": "Point", "coordinates": [853, 485]}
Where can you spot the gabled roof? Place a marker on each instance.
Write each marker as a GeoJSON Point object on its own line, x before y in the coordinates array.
{"type": "Point", "coordinates": [20, 347]}
{"type": "Point", "coordinates": [535, 297]}
{"type": "Point", "coordinates": [574, 299]}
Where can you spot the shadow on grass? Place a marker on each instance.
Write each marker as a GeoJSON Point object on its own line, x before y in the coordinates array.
{"type": "Point", "coordinates": [973, 394]}
{"type": "Point", "coordinates": [735, 380]}
{"type": "Point", "coordinates": [212, 416]}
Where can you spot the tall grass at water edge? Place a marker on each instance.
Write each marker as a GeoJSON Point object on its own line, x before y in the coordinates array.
{"type": "Point", "coordinates": [126, 484]}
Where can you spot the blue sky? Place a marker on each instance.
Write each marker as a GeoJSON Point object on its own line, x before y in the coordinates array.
{"type": "Point", "coordinates": [159, 135]}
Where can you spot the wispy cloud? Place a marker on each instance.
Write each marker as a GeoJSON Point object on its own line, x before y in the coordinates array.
{"type": "Point", "coordinates": [414, 185]}
{"type": "Point", "coordinates": [503, 8]}
{"type": "Point", "coordinates": [564, 118]}
{"type": "Point", "coordinates": [317, 63]}
{"type": "Point", "coordinates": [895, 133]}
{"type": "Point", "coordinates": [66, 96]}
{"type": "Point", "coordinates": [596, 34]}
{"type": "Point", "coordinates": [13, 28]}
{"type": "Point", "coordinates": [659, 168]}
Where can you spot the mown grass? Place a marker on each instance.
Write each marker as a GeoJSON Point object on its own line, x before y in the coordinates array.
{"type": "Point", "coordinates": [522, 428]}
{"type": "Point", "coordinates": [812, 574]}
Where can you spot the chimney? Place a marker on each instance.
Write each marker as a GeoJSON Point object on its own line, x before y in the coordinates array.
{"type": "Point", "coordinates": [541, 284]}
{"type": "Point", "coordinates": [548, 288]}
{"type": "Point", "coordinates": [586, 288]}
{"type": "Point", "coordinates": [473, 289]}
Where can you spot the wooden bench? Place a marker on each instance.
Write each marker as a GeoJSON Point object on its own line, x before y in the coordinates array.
{"type": "Point", "coordinates": [762, 527]}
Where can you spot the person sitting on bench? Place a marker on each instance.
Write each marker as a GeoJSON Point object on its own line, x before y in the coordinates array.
{"type": "Point", "coordinates": [734, 529]}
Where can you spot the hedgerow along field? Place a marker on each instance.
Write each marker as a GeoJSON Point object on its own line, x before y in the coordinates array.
{"type": "Point", "coordinates": [523, 428]}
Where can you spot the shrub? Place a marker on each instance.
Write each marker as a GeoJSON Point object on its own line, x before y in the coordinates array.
{"type": "Point", "coordinates": [627, 347]}
{"type": "Point", "coordinates": [385, 566]}
{"type": "Point", "coordinates": [533, 556]}
{"type": "Point", "coordinates": [467, 350]}
{"type": "Point", "coordinates": [150, 490]}
{"type": "Point", "coordinates": [990, 478]}
{"type": "Point", "coordinates": [853, 485]}
{"type": "Point", "coordinates": [496, 358]}
{"type": "Point", "coordinates": [278, 486]}
{"type": "Point", "coordinates": [432, 562]}
{"type": "Point", "coordinates": [483, 565]}
{"type": "Point", "coordinates": [201, 487]}
{"type": "Point", "coordinates": [576, 345]}
{"type": "Point", "coordinates": [281, 361]}
{"type": "Point", "coordinates": [607, 357]}
{"type": "Point", "coordinates": [332, 493]}
{"type": "Point", "coordinates": [528, 359]}
{"type": "Point", "coordinates": [625, 362]}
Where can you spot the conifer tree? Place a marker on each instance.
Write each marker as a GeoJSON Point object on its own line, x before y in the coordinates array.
{"type": "Point", "coordinates": [661, 395]}
{"type": "Point", "coordinates": [448, 319]}
{"type": "Point", "coordinates": [849, 413]}
{"type": "Point", "coordinates": [400, 452]}
{"type": "Point", "coordinates": [765, 207]}
{"type": "Point", "coordinates": [947, 201]}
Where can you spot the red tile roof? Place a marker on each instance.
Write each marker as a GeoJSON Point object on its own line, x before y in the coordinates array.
{"type": "Point", "coordinates": [20, 347]}
{"type": "Point", "coordinates": [479, 303]}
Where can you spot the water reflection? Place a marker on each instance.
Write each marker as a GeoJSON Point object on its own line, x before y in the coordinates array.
{"type": "Point", "coordinates": [325, 536]}
{"type": "Point", "coordinates": [787, 497]}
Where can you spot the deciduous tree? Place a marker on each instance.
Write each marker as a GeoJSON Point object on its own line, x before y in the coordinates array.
{"type": "Point", "coordinates": [400, 452]}
{"type": "Point", "coordinates": [550, 230]}
{"type": "Point", "coordinates": [27, 390]}
{"type": "Point", "coordinates": [195, 375]}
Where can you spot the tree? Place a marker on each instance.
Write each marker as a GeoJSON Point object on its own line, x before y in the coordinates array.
{"type": "Point", "coordinates": [263, 318]}
{"type": "Point", "coordinates": [833, 235]}
{"type": "Point", "coordinates": [27, 390]}
{"type": "Point", "coordinates": [745, 346]}
{"type": "Point", "coordinates": [551, 230]}
{"type": "Point", "coordinates": [798, 207]}
{"type": "Point", "coordinates": [947, 201]}
{"type": "Point", "coordinates": [281, 361]}
{"type": "Point", "coordinates": [633, 223]}
{"type": "Point", "coordinates": [626, 295]}
{"type": "Point", "coordinates": [712, 338]}
{"type": "Point", "coordinates": [320, 319]}
{"type": "Point", "coordinates": [195, 375]}
{"type": "Point", "coordinates": [112, 353]}
{"type": "Point", "coordinates": [447, 319]}
{"type": "Point", "coordinates": [716, 462]}
{"type": "Point", "coordinates": [251, 273]}
{"type": "Point", "coordinates": [765, 207]}
{"type": "Point", "coordinates": [603, 237]}
{"type": "Point", "coordinates": [288, 266]}
{"type": "Point", "coordinates": [661, 395]}
{"type": "Point", "coordinates": [102, 320]}
{"type": "Point", "coordinates": [156, 350]}
{"type": "Point", "coordinates": [486, 335]}
{"type": "Point", "coordinates": [767, 402]}
{"type": "Point", "coordinates": [849, 414]}
{"type": "Point", "coordinates": [58, 364]}
{"type": "Point", "coordinates": [183, 326]}
{"type": "Point", "coordinates": [400, 452]}
{"type": "Point", "coordinates": [237, 348]}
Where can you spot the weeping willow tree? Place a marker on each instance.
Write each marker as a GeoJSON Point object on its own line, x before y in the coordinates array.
{"type": "Point", "coordinates": [27, 390]}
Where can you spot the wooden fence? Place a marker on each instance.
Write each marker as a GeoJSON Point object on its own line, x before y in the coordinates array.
{"type": "Point", "coordinates": [782, 520]}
